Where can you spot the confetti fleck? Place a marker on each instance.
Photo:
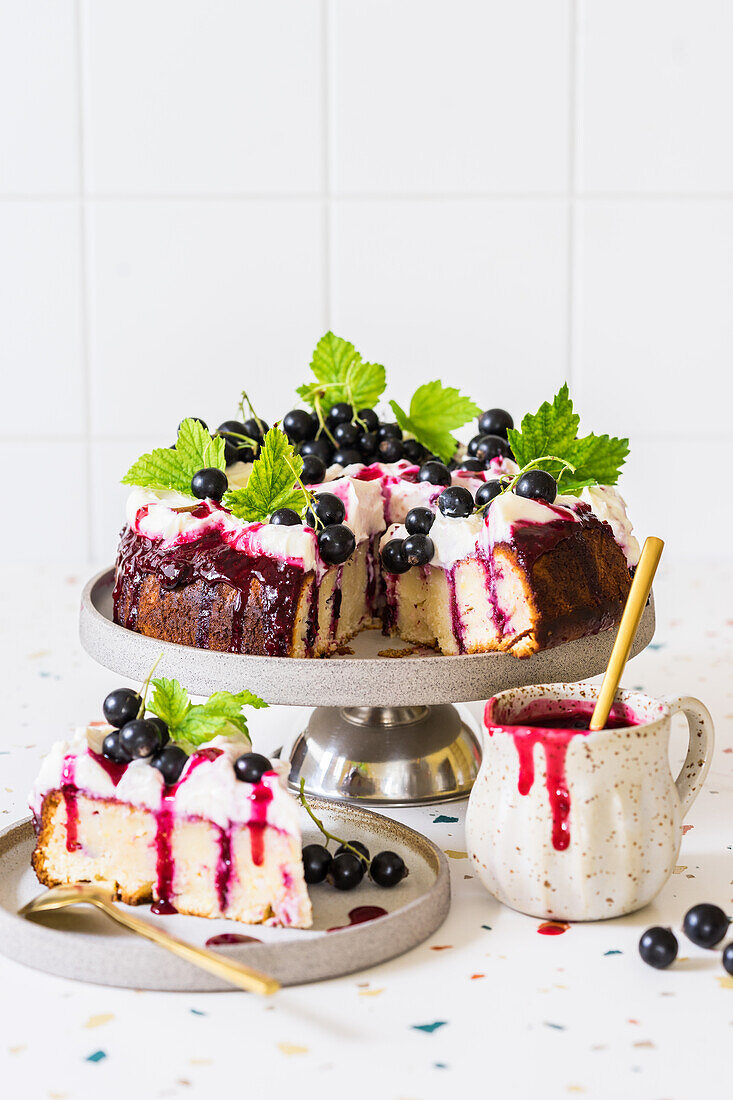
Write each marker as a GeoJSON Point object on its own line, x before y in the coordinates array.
{"type": "Point", "coordinates": [19, 1049]}
{"type": "Point", "coordinates": [475, 976]}
{"type": "Point", "coordinates": [487, 927]}
{"type": "Point", "coordinates": [429, 1028]}
{"type": "Point", "coordinates": [726, 982]}
{"type": "Point", "coordinates": [556, 1027]}
{"type": "Point", "coordinates": [201, 1061]}
{"type": "Point", "coordinates": [291, 1048]}
{"type": "Point", "coordinates": [97, 1056]}
{"type": "Point", "coordinates": [455, 854]}
{"type": "Point", "coordinates": [679, 869]}
{"type": "Point", "coordinates": [100, 1019]}
{"type": "Point", "coordinates": [442, 819]}
{"type": "Point", "coordinates": [441, 946]}
{"type": "Point", "coordinates": [686, 829]}
{"type": "Point", "coordinates": [613, 951]}
{"type": "Point", "coordinates": [439, 1065]}
{"type": "Point", "coordinates": [197, 1012]}
{"type": "Point", "coordinates": [644, 1044]}
{"type": "Point", "coordinates": [371, 992]}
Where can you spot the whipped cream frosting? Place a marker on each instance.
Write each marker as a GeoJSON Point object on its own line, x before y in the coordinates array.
{"type": "Point", "coordinates": [208, 788]}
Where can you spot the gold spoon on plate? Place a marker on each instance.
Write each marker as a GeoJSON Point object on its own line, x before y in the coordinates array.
{"type": "Point", "coordinates": [62, 897]}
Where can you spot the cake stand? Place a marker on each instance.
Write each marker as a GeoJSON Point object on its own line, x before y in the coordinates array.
{"type": "Point", "coordinates": [384, 731]}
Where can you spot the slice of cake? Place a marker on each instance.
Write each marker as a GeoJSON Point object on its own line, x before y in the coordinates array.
{"type": "Point", "coordinates": [212, 832]}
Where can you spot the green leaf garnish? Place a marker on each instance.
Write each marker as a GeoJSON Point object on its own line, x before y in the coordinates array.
{"type": "Point", "coordinates": [272, 482]}
{"type": "Point", "coordinates": [191, 725]}
{"type": "Point", "coordinates": [553, 430]}
{"type": "Point", "coordinates": [166, 468]}
{"type": "Point", "coordinates": [436, 411]}
{"type": "Point", "coordinates": [342, 375]}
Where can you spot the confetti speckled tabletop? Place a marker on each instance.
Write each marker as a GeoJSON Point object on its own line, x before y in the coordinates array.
{"type": "Point", "coordinates": [489, 1004]}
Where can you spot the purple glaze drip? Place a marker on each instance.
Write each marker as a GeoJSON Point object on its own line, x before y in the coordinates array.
{"type": "Point", "coordinates": [114, 771]}
{"type": "Point", "coordinates": [211, 560]}
{"type": "Point", "coordinates": [336, 602]}
{"type": "Point", "coordinates": [69, 792]}
{"type": "Point", "coordinates": [457, 622]}
{"type": "Point", "coordinates": [224, 938]}
{"type": "Point", "coordinates": [163, 908]}
{"type": "Point", "coordinates": [224, 868]}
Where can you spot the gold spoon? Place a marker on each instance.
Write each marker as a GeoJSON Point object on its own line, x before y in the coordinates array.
{"type": "Point", "coordinates": [61, 897]}
{"type": "Point", "coordinates": [641, 586]}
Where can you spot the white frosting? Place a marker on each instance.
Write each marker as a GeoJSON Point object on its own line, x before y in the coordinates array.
{"type": "Point", "coordinates": [609, 505]}
{"type": "Point", "coordinates": [509, 510]}
{"type": "Point", "coordinates": [362, 501]}
{"type": "Point", "coordinates": [207, 788]}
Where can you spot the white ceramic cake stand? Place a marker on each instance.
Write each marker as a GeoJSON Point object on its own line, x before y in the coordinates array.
{"type": "Point", "coordinates": [384, 731]}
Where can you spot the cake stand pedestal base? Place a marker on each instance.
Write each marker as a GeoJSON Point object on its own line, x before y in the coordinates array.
{"type": "Point", "coordinates": [386, 756]}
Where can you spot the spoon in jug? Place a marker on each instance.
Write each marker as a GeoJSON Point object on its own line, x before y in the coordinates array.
{"type": "Point", "coordinates": [636, 602]}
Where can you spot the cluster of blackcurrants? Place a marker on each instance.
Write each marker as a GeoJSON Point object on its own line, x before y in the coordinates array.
{"type": "Point", "coordinates": [136, 738]}
{"type": "Point", "coordinates": [326, 516]}
{"type": "Point", "coordinates": [211, 483]}
{"type": "Point", "coordinates": [456, 502]}
{"type": "Point", "coordinates": [704, 925]}
{"type": "Point", "coordinates": [345, 869]}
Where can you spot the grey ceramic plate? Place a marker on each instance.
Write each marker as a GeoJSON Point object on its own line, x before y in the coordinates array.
{"type": "Point", "coordinates": [359, 679]}
{"type": "Point", "coordinates": [84, 945]}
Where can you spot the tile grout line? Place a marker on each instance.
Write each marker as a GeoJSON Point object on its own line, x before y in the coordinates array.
{"type": "Point", "coordinates": [84, 277]}
{"type": "Point", "coordinates": [326, 167]}
{"type": "Point", "coordinates": [574, 137]}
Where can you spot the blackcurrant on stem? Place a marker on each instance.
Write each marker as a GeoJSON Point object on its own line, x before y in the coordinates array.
{"type": "Point", "coordinates": [253, 443]}
{"type": "Point", "coordinates": [321, 417]}
{"type": "Point", "coordinates": [254, 415]}
{"type": "Point", "coordinates": [322, 827]}
{"type": "Point", "coordinates": [533, 464]}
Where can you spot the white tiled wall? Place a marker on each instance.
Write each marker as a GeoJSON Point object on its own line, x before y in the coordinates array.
{"type": "Point", "coordinates": [502, 194]}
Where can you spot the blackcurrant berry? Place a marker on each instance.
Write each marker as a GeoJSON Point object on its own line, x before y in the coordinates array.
{"type": "Point", "coordinates": [728, 957]}
{"type": "Point", "coordinates": [256, 429]}
{"type": "Point", "coordinates": [232, 431]}
{"type": "Point", "coordinates": [298, 425]}
{"type": "Point", "coordinates": [346, 434]}
{"type": "Point", "coordinates": [251, 766]}
{"type": "Point", "coordinates": [414, 451]}
{"type": "Point", "coordinates": [320, 447]}
{"type": "Point", "coordinates": [387, 869]}
{"type": "Point", "coordinates": [328, 508]}
{"type": "Point", "coordinates": [495, 422]}
{"type": "Point", "coordinates": [357, 844]}
{"type": "Point", "coordinates": [346, 456]}
{"type": "Point", "coordinates": [170, 762]}
{"type": "Point", "coordinates": [473, 464]}
{"type": "Point", "coordinates": [198, 420]}
{"type": "Point", "coordinates": [140, 738]}
{"type": "Point", "coordinates": [316, 863]}
{"type": "Point", "coordinates": [437, 473]}
{"type": "Point", "coordinates": [473, 444]}
{"type": "Point", "coordinates": [491, 446]}
{"type": "Point", "coordinates": [369, 418]}
{"type": "Point", "coordinates": [209, 483]}
{"type": "Point", "coordinates": [113, 750]}
{"type": "Point", "coordinates": [368, 445]}
{"type": "Point", "coordinates": [658, 947]}
{"type": "Point", "coordinates": [418, 549]}
{"type": "Point", "coordinates": [389, 431]}
{"type": "Point", "coordinates": [705, 924]}
{"type": "Point", "coordinates": [286, 517]}
{"type": "Point", "coordinates": [537, 485]}
{"type": "Point", "coordinates": [486, 492]}
{"type": "Point", "coordinates": [161, 727]}
{"type": "Point", "coordinates": [455, 502]}
{"type": "Point", "coordinates": [121, 706]}
{"type": "Point", "coordinates": [314, 470]}
{"type": "Point", "coordinates": [418, 521]}
{"type": "Point", "coordinates": [346, 871]}
{"type": "Point", "coordinates": [339, 414]}
{"type": "Point", "coordinates": [336, 543]}
{"type": "Point", "coordinates": [393, 556]}
{"type": "Point", "coordinates": [391, 450]}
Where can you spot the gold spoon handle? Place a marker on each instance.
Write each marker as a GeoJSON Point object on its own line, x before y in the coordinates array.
{"type": "Point", "coordinates": [243, 976]}
{"type": "Point", "coordinates": [641, 586]}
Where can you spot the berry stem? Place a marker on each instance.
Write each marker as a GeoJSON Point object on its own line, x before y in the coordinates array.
{"type": "Point", "coordinates": [310, 496]}
{"type": "Point", "coordinates": [322, 827]}
{"type": "Point", "coordinates": [146, 685]}
{"type": "Point", "coordinates": [244, 398]}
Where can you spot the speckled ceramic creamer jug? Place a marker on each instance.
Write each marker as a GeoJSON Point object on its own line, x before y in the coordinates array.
{"type": "Point", "coordinates": [572, 825]}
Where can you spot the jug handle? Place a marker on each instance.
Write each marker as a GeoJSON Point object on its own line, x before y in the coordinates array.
{"type": "Point", "coordinates": [700, 748]}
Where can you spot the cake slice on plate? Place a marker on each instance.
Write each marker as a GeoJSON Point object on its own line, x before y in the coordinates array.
{"type": "Point", "coordinates": [178, 812]}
